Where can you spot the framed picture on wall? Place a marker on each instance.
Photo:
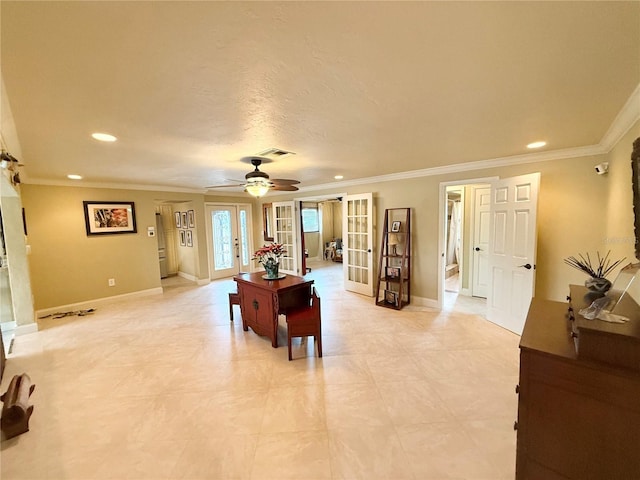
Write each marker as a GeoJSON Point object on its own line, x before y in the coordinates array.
{"type": "Point", "coordinates": [107, 218]}
{"type": "Point", "coordinates": [191, 219]}
{"type": "Point", "coordinates": [189, 238]}
{"type": "Point", "coordinates": [183, 236]}
{"type": "Point", "coordinates": [395, 227]}
{"type": "Point", "coordinates": [178, 217]}
{"type": "Point", "coordinates": [184, 219]}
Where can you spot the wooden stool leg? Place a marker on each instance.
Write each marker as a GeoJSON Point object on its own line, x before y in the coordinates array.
{"type": "Point", "coordinates": [319, 338]}
{"type": "Point", "coordinates": [289, 345]}
{"type": "Point", "coordinates": [234, 299]}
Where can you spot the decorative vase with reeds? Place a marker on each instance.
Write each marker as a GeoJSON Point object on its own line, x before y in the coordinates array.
{"type": "Point", "coordinates": [597, 281]}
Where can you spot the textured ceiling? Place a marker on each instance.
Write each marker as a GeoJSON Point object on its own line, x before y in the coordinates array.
{"type": "Point", "coordinates": [354, 88]}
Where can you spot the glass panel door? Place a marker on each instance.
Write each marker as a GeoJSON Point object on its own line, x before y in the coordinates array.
{"type": "Point", "coordinates": [357, 243]}
{"type": "Point", "coordinates": [284, 222]}
{"type": "Point", "coordinates": [228, 240]}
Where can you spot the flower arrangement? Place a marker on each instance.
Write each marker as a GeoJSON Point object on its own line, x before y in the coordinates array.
{"type": "Point", "coordinates": [269, 255]}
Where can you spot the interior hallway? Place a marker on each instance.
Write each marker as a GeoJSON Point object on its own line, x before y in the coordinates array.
{"type": "Point", "coordinates": [167, 387]}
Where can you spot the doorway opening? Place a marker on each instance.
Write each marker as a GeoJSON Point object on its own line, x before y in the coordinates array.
{"type": "Point", "coordinates": [464, 237]}
{"type": "Point", "coordinates": [321, 246]}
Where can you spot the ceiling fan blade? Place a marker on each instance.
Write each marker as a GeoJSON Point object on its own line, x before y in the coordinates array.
{"type": "Point", "coordinates": [225, 186]}
{"type": "Point", "coordinates": [285, 188]}
{"type": "Point", "coordinates": [284, 181]}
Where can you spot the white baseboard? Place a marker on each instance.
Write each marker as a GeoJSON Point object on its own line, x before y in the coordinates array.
{"type": "Point", "coordinates": [25, 329]}
{"type": "Point", "coordinates": [424, 302]}
{"type": "Point", "coordinates": [98, 301]}
{"type": "Point", "coordinates": [194, 279]}
{"type": "Point", "coordinates": [18, 329]}
{"type": "Point", "coordinates": [187, 276]}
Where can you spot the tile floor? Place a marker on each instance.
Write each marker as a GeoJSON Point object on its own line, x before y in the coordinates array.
{"type": "Point", "coordinates": [165, 387]}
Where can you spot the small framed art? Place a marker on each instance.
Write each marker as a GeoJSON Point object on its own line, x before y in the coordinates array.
{"type": "Point", "coordinates": [183, 238]}
{"type": "Point", "coordinates": [191, 219]}
{"type": "Point", "coordinates": [395, 226]}
{"type": "Point", "coordinates": [189, 238]}
{"type": "Point", "coordinates": [184, 219]}
{"type": "Point", "coordinates": [178, 219]}
{"type": "Point", "coordinates": [392, 272]}
{"type": "Point", "coordinates": [391, 297]}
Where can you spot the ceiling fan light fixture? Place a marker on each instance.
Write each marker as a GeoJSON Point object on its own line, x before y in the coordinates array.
{"type": "Point", "coordinates": [257, 189]}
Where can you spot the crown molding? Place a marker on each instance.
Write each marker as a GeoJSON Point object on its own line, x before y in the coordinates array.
{"type": "Point", "coordinates": [111, 186]}
{"type": "Point", "coordinates": [626, 118]}
{"type": "Point", "coordinates": [130, 186]}
{"type": "Point", "coordinates": [467, 167]}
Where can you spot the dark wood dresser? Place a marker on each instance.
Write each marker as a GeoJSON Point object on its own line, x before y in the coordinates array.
{"type": "Point", "coordinates": [578, 412]}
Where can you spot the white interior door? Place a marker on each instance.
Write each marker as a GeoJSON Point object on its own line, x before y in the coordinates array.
{"type": "Point", "coordinates": [228, 239]}
{"type": "Point", "coordinates": [285, 232]}
{"type": "Point", "coordinates": [512, 253]}
{"type": "Point", "coordinates": [357, 243]}
{"type": "Point", "coordinates": [480, 252]}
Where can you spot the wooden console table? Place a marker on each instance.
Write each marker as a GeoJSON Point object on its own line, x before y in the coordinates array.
{"type": "Point", "coordinates": [578, 417]}
{"type": "Point", "coordinates": [261, 301]}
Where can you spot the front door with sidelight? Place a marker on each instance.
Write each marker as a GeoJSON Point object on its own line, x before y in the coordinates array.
{"type": "Point", "coordinates": [228, 239]}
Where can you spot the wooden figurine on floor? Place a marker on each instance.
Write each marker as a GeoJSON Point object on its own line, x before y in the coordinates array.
{"type": "Point", "coordinates": [16, 410]}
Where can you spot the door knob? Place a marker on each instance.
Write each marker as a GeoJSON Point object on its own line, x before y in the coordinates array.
{"type": "Point", "coordinates": [477, 249]}
{"type": "Point", "coordinates": [526, 265]}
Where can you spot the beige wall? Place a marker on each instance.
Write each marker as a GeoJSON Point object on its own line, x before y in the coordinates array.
{"type": "Point", "coordinates": [572, 215]}
{"type": "Point", "coordinates": [579, 211]}
{"type": "Point", "coordinates": [331, 221]}
{"type": "Point", "coordinates": [69, 267]}
{"type": "Point", "coordinates": [311, 242]}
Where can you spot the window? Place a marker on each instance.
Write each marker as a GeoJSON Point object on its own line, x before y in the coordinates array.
{"type": "Point", "coordinates": [310, 219]}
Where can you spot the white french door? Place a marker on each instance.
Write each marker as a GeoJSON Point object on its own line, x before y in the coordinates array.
{"type": "Point", "coordinates": [286, 233]}
{"type": "Point", "coordinates": [512, 250]}
{"type": "Point", "coordinates": [228, 239]}
{"type": "Point", "coordinates": [357, 243]}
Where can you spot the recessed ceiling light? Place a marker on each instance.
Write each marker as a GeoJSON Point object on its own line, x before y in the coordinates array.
{"type": "Point", "coordinates": [104, 137]}
{"type": "Point", "coordinates": [338, 177]}
{"type": "Point", "coordinates": [74, 177]}
{"type": "Point", "coordinates": [536, 145]}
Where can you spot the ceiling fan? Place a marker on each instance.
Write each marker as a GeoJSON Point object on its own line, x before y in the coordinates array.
{"type": "Point", "coordinates": [258, 183]}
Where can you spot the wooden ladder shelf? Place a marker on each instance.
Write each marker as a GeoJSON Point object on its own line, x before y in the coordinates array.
{"type": "Point", "coordinates": [393, 289]}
